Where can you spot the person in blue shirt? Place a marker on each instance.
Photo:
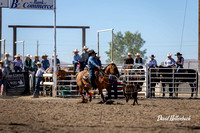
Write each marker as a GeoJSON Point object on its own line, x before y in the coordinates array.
{"type": "Point", "coordinates": [45, 62]}
{"type": "Point", "coordinates": [7, 61]}
{"type": "Point", "coordinates": [77, 59]}
{"type": "Point", "coordinates": [169, 62]}
{"type": "Point", "coordinates": [35, 62]}
{"type": "Point", "coordinates": [92, 65]}
{"type": "Point", "coordinates": [152, 63]}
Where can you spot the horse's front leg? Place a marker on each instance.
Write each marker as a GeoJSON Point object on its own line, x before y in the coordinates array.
{"type": "Point", "coordinates": [192, 90]}
{"type": "Point", "coordinates": [176, 89]}
{"type": "Point", "coordinates": [89, 94]}
{"type": "Point", "coordinates": [163, 86]}
{"type": "Point", "coordinates": [81, 93]}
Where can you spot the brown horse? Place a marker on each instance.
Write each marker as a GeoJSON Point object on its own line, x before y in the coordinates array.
{"type": "Point", "coordinates": [102, 81]}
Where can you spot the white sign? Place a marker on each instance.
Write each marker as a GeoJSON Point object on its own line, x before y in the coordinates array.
{"type": "Point", "coordinates": [3, 3]}
{"type": "Point", "coordinates": [32, 4]}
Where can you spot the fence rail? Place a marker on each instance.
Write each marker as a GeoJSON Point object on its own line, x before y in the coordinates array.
{"type": "Point", "coordinates": [151, 80]}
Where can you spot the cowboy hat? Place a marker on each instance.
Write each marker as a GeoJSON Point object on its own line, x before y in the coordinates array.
{"type": "Point", "coordinates": [130, 54]}
{"type": "Point", "coordinates": [28, 55]}
{"type": "Point", "coordinates": [92, 52]}
{"type": "Point", "coordinates": [152, 56]}
{"type": "Point", "coordinates": [169, 54]}
{"type": "Point", "coordinates": [137, 54]}
{"type": "Point", "coordinates": [37, 56]}
{"type": "Point", "coordinates": [45, 55]}
{"type": "Point", "coordinates": [18, 56]}
{"type": "Point", "coordinates": [38, 63]}
{"type": "Point", "coordinates": [75, 51]}
{"type": "Point", "coordinates": [53, 55]}
{"type": "Point", "coordinates": [7, 54]}
{"type": "Point", "coordinates": [178, 53]}
{"type": "Point", "coordinates": [85, 48]}
{"type": "Point", "coordinates": [1, 61]}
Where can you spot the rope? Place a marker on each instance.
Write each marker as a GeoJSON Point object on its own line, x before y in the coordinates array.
{"type": "Point", "coordinates": [183, 26]}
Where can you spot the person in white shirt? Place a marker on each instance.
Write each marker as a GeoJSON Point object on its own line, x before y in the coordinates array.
{"type": "Point", "coordinates": [169, 62]}
{"type": "Point", "coordinates": [39, 78]}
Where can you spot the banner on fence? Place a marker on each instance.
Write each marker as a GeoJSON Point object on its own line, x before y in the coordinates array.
{"type": "Point", "coordinates": [32, 4]}
{"type": "Point", "coordinates": [4, 3]}
{"type": "Point", "coordinates": [18, 83]}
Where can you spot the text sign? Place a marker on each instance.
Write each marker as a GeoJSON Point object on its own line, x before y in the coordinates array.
{"type": "Point", "coordinates": [4, 3]}
{"type": "Point", "coordinates": [32, 4]}
{"type": "Point", "coordinates": [18, 83]}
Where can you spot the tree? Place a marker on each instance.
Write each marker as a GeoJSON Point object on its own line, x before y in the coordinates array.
{"type": "Point", "coordinates": [122, 45]}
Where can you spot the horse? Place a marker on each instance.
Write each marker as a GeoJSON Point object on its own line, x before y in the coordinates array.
{"type": "Point", "coordinates": [166, 74]}
{"type": "Point", "coordinates": [184, 76]}
{"type": "Point", "coordinates": [101, 81]}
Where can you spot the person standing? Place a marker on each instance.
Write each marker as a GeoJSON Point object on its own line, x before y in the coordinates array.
{"type": "Point", "coordinates": [3, 77]}
{"type": "Point", "coordinates": [45, 62]}
{"type": "Point", "coordinates": [18, 65]}
{"type": "Point", "coordinates": [76, 60]}
{"type": "Point", "coordinates": [84, 57]}
{"type": "Point", "coordinates": [7, 61]}
{"type": "Point", "coordinates": [113, 84]}
{"type": "Point", "coordinates": [35, 62]}
{"type": "Point", "coordinates": [28, 63]}
{"type": "Point", "coordinates": [92, 65]}
{"type": "Point", "coordinates": [169, 62]}
{"type": "Point", "coordinates": [152, 63]}
{"type": "Point", "coordinates": [39, 78]}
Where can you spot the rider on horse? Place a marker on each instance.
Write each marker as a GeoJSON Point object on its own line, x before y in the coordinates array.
{"type": "Point", "coordinates": [179, 62]}
{"type": "Point", "coordinates": [92, 65]}
{"type": "Point", "coordinates": [169, 62]}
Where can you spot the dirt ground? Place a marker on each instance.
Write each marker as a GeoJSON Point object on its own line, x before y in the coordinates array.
{"type": "Point", "coordinates": [25, 114]}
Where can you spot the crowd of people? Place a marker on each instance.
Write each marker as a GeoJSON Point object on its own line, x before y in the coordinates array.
{"type": "Point", "coordinates": [87, 58]}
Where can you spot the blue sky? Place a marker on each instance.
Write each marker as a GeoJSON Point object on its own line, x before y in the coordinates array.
{"type": "Point", "coordinates": [159, 21]}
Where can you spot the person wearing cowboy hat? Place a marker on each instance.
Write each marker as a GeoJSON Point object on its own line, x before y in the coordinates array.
{"type": "Point", "coordinates": [57, 60]}
{"type": "Point", "coordinates": [92, 65]}
{"type": "Point", "coordinates": [35, 62]}
{"type": "Point", "coordinates": [7, 61]}
{"type": "Point", "coordinates": [169, 62]}
{"type": "Point", "coordinates": [28, 63]}
{"type": "Point", "coordinates": [129, 60]}
{"type": "Point", "coordinates": [3, 77]}
{"type": "Point", "coordinates": [138, 59]}
{"type": "Point", "coordinates": [180, 60]}
{"type": "Point", "coordinates": [45, 62]}
{"type": "Point", "coordinates": [76, 58]}
{"type": "Point", "coordinates": [152, 63]}
{"type": "Point", "coordinates": [18, 65]}
{"type": "Point", "coordinates": [38, 79]}
{"type": "Point", "coordinates": [84, 57]}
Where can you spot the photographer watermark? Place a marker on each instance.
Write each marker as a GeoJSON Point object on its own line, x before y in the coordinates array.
{"type": "Point", "coordinates": [173, 118]}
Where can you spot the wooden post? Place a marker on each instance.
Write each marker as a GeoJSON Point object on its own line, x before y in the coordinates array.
{"type": "Point", "coordinates": [199, 47]}
{"type": "Point", "coordinates": [14, 40]}
{"type": "Point", "coordinates": [0, 29]}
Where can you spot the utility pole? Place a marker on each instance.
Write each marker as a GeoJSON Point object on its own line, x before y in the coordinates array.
{"type": "Point", "coordinates": [0, 29]}
{"type": "Point", "coordinates": [199, 46]}
{"type": "Point", "coordinates": [37, 47]}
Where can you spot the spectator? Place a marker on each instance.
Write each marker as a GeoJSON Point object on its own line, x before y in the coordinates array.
{"type": "Point", "coordinates": [45, 62]}
{"type": "Point", "coordinates": [18, 65]}
{"type": "Point", "coordinates": [3, 77]}
{"type": "Point", "coordinates": [35, 62]}
{"type": "Point", "coordinates": [169, 62]}
{"type": "Point", "coordinates": [39, 78]}
{"type": "Point", "coordinates": [152, 63]}
{"type": "Point", "coordinates": [84, 57]}
{"type": "Point", "coordinates": [7, 61]}
{"type": "Point", "coordinates": [77, 59]}
{"type": "Point", "coordinates": [129, 60]}
{"type": "Point", "coordinates": [28, 63]}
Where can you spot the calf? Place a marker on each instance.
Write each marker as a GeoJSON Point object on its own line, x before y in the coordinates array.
{"type": "Point", "coordinates": [131, 90]}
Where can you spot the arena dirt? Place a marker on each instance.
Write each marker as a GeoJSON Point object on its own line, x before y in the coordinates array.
{"type": "Point", "coordinates": [26, 114]}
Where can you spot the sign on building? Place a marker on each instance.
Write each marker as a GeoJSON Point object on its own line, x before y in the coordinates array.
{"type": "Point", "coordinates": [32, 4]}
{"type": "Point", "coordinates": [4, 3]}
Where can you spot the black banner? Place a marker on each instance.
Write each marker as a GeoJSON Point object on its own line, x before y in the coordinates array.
{"type": "Point", "coordinates": [18, 83]}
